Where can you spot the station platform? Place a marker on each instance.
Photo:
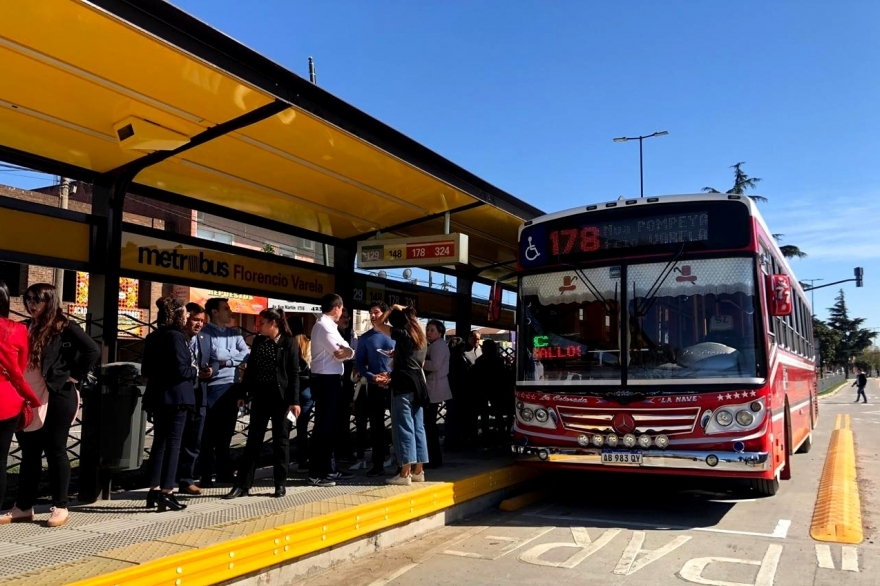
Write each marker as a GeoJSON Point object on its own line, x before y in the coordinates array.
{"type": "Point", "coordinates": [214, 541]}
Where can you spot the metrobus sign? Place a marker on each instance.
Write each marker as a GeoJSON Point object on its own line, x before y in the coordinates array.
{"type": "Point", "coordinates": [418, 251]}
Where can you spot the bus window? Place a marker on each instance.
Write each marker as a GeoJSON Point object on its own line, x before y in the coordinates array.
{"type": "Point", "coordinates": [571, 326]}
{"type": "Point", "coordinates": [698, 322]}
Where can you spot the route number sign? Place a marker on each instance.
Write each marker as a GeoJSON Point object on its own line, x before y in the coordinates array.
{"type": "Point", "coordinates": [445, 249]}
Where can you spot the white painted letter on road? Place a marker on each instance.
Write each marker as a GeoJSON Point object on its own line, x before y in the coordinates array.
{"type": "Point", "coordinates": [582, 542]}
{"type": "Point", "coordinates": [692, 571]}
{"type": "Point", "coordinates": [628, 565]}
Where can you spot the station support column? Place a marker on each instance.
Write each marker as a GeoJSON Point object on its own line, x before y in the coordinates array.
{"type": "Point", "coordinates": [343, 270]}
{"type": "Point", "coordinates": [463, 306]}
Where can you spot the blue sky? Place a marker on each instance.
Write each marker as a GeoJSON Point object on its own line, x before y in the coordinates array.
{"type": "Point", "coordinates": [528, 95]}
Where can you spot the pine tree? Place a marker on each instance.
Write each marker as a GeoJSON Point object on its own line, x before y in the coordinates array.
{"type": "Point", "coordinates": [854, 339]}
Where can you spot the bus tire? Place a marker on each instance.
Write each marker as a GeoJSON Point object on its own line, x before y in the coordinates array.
{"type": "Point", "coordinates": [807, 445]}
{"type": "Point", "coordinates": [765, 487]}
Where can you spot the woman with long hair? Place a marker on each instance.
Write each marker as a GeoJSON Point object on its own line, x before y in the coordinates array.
{"type": "Point", "coordinates": [271, 385]}
{"type": "Point", "coordinates": [14, 390]}
{"type": "Point", "coordinates": [409, 391]}
{"type": "Point", "coordinates": [61, 357]}
{"type": "Point", "coordinates": [171, 371]}
{"type": "Point", "coordinates": [307, 404]}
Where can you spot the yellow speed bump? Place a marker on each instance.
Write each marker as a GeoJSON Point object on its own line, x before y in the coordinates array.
{"type": "Point", "coordinates": [838, 515]}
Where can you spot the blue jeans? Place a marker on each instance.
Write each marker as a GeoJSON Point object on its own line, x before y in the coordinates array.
{"type": "Point", "coordinates": [302, 426]}
{"type": "Point", "coordinates": [408, 430]}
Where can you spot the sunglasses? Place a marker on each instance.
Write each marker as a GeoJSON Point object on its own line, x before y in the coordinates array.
{"type": "Point", "coordinates": [33, 299]}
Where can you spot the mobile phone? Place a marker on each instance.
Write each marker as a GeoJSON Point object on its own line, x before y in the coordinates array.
{"type": "Point", "coordinates": [291, 417]}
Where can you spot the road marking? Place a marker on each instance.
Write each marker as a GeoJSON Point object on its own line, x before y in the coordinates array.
{"type": "Point", "coordinates": [692, 571]}
{"type": "Point", "coordinates": [400, 572]}
{"type": "Point", "coordinates": [628, 565]}
{"type": "Point", "coordinates": [823, 557]}
{"type": "Point", "coordinates": [514, 545]}
{"type": "Point", "coordinates": [779, 532]}
{"type": "Point", "coordinates": [582, 542]}
{"type": "Point", "coordinates": [849, 558]}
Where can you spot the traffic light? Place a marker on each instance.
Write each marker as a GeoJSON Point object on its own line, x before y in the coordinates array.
{"type": "Point", "coordinates": [859, 273]}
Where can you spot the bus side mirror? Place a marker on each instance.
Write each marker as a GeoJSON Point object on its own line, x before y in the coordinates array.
{"type": "Point", "coordinates": [779, 295]}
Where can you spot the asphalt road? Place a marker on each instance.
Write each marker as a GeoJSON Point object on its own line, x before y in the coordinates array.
{"type": "Point", "coordinates": [610, 530]}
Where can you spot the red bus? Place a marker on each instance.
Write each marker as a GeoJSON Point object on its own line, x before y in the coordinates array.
{"type": "Point", "coordinates": [663, 335]}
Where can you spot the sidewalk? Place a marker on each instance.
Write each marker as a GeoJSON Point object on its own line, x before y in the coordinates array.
{"type": "Point", "coordinates": [215, 540]}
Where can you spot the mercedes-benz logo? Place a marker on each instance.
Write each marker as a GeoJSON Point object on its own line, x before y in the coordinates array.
{"type": "Point", "coordinates": [623, 423]}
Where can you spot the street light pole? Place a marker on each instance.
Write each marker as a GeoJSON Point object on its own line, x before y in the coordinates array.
{"type": "Point", "coordinates": [641, 158]}
{"type": "Point", "coordinates": [813, 293]}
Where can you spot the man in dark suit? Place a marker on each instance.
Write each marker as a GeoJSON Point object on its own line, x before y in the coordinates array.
{"type": "Point", "coordinates": [200, 348]}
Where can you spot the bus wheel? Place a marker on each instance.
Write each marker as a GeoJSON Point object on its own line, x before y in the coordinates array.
{"type": "Point", "coordinates": [765, 487]}
{"type": "Point", "coordinates": [807, 445]}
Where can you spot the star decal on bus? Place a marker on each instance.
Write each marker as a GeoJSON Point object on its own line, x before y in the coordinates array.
{"type": "Point", "coordinates": [720, 397]}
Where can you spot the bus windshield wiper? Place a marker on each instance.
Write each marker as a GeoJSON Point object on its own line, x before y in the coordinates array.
{"type": "Point", "coordinates": [595, 291]}
{"type": "Point", "coordinates": [651, 295]}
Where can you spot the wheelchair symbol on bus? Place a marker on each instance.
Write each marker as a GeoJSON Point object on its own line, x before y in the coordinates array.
{"type": "Point", "coordinates": [531, 253]}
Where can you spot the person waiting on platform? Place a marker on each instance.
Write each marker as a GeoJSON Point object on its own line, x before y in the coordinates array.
{"type": "Point", "coordinates": [437, 371]}
{"type": "Point", "coordinates": [171, 374]}
{"type": "Point", "coordinates": [271, 384]}
{"type": "Point", "coordinates": [409, 392]}
{"type": "Point", "coordinates": [61, 355]}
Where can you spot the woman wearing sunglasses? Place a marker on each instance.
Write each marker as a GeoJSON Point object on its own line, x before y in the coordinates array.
{"type": "Point", "coordinates": [14, 390]}
{"type": "Point", "coordinates": [61, 356]}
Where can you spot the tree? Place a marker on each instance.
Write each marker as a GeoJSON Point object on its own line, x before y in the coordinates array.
{"type": "Point", "coordinates": [828, 340]}
{"type": "Point", "coordinates": [854, 339]}
{"type": "Point", "coordinates": [742, 183]}
{"type": "Point", "coordinates": [268, 248]}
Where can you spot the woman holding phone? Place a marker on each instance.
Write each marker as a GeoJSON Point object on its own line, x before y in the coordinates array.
{"type": "Point", "coordinates": [271, 385]}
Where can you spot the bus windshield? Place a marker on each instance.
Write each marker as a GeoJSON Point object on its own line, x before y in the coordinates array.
{"type": "Point", "coordinates": [696, 320]}
{"type": "Point", "coordinates": [689, 321]}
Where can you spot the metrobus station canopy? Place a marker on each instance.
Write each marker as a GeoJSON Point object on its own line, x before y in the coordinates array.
{"type": "Point", "coordinates": [143, 95]}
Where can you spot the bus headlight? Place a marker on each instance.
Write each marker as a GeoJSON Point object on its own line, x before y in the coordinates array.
{"type": "Point", "coordinates": [744, 418]}
{"type": "Point", "coordinates": [755, 406]}
{"type": "Point", "coordinates": [584, 440]}
{"type": "Point", "coordinates": [724, 418]}
{"type": "Point", "coordinates": [541, 416]}
{"type": "Point", "coordinates": [526, 414]}
{"type": "Point", "coordinates": [598, 441]}
{"type": "Point", "coordinates": [662, 442]}
{"type": "Point", "coordinates": [645, 441]}
{"type": "Point", "coordinates": [629, 440]}
{"type": "Point", "coordinates": [519, 405]}
{"type": "Point", "coordinates": [611, 440]}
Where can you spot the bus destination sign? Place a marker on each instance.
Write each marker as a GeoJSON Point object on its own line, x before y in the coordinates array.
{"type": "Point", "coordinates": [611, 233]}
{"type": "Point", "coordinates": [444, 249]}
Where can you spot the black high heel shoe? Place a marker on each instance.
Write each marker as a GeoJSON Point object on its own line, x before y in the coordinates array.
{"type": "Point", "coordinates": [165, 501]}
{"type": "Point", "coordinates": [151, 498]}
{"type": "Point", "coordinates": [173, 497]}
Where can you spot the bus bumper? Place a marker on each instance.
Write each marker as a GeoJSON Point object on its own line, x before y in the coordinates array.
{"type": "Point", "coordinates": [668, 459]}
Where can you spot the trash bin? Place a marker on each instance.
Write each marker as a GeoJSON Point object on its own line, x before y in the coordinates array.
{"type": "Point", "coordinates": [113, 428]}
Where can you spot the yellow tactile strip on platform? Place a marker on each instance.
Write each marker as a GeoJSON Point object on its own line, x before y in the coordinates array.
{"type": "Point", "coordinates": [226, 560]}
{"type": "Point", "coordinates": [79, 570]}
{"type": "Point", "coordinates": [838, 513]}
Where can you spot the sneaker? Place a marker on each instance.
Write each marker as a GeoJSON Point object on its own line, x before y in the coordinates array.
{"type": "Point", "coordinates": [340, 475]}
{"type": "Point", "coordinates": [388, 462]}
{"type": "Point", "coordinates": [399, 480]}
{"type": "Point", "coordinates": [58, 517]}
{"type": "Point", "coordinates": [360, 464]}
{"type": "Point", "coordinates": [16, 515]}
{"type": "Point", "coordinates": [418, 477]}
{"type": "Point", "coordinates": [374, 472]}
{"type": "Point", "coordinates": [322, 482]}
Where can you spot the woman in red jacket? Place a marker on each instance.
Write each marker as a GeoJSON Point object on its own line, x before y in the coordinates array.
{"type": "Point", "coordinates": [14, 390]}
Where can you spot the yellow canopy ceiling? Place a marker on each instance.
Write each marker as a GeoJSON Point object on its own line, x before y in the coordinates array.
{"type": "Point", "coordinates": [72, 71]}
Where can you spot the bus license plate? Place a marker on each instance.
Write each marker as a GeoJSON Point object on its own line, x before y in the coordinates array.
{"type": "Point", "coordinates": [624, 458]}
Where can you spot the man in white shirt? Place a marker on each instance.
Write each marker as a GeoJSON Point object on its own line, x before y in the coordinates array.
{"type": "Point", "coordinates": [329, 352]}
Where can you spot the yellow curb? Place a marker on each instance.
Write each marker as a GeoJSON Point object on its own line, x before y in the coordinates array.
{"type": "Point", "coordinates": [224, 561]}
{"type": "Point", "coordinates": [523, 500]}
{"type": "Point", "coordinates": [838, 515]}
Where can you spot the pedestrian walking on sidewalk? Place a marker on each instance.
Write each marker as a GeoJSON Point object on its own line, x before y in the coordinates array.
{"type": "Point", "coordinates": [861, 382]}
{"type": "Point", "coordinates": [271, 385]}
{"type": "Point", "coordinates": [61, 355]}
